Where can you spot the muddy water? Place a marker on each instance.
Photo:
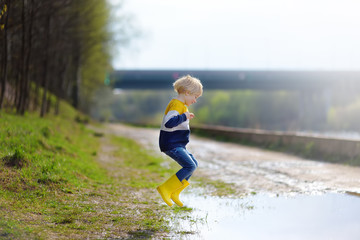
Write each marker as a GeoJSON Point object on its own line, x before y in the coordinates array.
{"type": "Point", "coordinates": [295, 198]}
{"type": "Point", "coordinates": [325, 216]}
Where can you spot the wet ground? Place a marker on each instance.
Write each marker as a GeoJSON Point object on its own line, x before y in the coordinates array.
{"type": "Point", "coordinates": [285, 197]}
{"type": "Point", "coordinates": [327, 216]}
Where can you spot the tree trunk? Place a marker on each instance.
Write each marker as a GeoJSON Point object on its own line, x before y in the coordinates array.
{"type": "Point", "coordinates": [76, 83]}
{"type": "Point", "coordinates": [27, 59]}
{"type": "Point", "coordinates": [36, 92]}
{"type": "Point", "coordinates": [20, 105]}
{"type": "Point", "coordinates": [4, 67]}
{"type": "Point", "coordinates": [45, 70]}
{"type": "Point", "coordinates": [26, 51]}
{"type": "Point", "coordinates": [48, 104]}
{"type": "Point", "coordinates": [62, 84]}
{"type": "Point", "coordinates": [68, 80]}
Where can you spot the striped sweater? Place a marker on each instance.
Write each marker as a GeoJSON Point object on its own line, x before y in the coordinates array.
{"type": "Point", "coordinates": [175, 128]}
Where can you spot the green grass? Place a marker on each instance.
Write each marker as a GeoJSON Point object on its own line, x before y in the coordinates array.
{"type": "Point", "coordinates": [53, 185]}
{"type": "Point", "coordinates": [217, 187]}
{"type": "Point", "coordinates": [46, 152]}
{"type": "Point", "coordinates": [139, 159]}
{"type": "Point", "coordinates": [44, 165]}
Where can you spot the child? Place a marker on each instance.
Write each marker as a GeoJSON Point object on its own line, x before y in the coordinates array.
{"type": "Point", "coordinates": [174, 135]}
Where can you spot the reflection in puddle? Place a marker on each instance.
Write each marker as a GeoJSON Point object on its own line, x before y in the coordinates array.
{"type": "Point", "coordinates": [327, 216]}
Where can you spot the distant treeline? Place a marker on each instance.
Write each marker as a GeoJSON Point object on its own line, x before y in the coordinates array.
{"type": "Point", "coordinates": [60, 47]}
{"type": "Point", "coordinates": [270, 110]}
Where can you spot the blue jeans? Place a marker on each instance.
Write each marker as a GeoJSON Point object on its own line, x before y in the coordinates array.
{"type": "Point", "coordinates": [185, 159]}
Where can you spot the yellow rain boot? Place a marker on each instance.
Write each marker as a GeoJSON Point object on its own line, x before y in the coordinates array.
{"type": "Point", "coordinates": [168, 187]}
{"type": "Point", "coordinates": [175, 195]}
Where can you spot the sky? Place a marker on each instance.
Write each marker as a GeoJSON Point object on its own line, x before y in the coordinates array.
{"type": "Point", "coordinates": [242, 35]}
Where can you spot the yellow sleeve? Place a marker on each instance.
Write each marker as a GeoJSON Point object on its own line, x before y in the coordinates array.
{"type": "Point", "coordinates": [176, 106]}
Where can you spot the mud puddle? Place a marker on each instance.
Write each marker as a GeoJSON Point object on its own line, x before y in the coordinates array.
{"type": "Point", "coordinates": [327, 216]}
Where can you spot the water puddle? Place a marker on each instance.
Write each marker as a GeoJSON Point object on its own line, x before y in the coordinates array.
{"type": "Point", "coordinates": [325, 216]}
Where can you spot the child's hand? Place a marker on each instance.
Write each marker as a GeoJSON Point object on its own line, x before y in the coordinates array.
{"type": "Point", "coordinates": [189, 115]}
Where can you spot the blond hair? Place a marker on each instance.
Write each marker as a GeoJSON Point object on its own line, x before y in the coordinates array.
{"type": "Point", "coordinates": [188, 84]}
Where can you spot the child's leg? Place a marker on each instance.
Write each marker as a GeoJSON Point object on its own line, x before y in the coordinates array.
{"type": "Point", "coordinates": [186, 160]}
{"type": "Point", "coordinates": [196, 163]}
{"type": "Point", "coordinates": [188, 163]}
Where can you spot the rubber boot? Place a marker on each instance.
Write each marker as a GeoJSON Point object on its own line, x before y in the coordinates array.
{"type": "Point", "coordinates": [168, 187]}
{"type": "Point", "coordinates": [175, 195]}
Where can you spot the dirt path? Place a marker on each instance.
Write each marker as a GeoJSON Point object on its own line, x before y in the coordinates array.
{"type": "Point", "coordinates": [252, 169]}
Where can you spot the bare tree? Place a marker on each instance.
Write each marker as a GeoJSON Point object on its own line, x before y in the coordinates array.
{"type": "Point", "coordinates": [5, 8]}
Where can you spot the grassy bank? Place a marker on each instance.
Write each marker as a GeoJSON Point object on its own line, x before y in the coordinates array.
{"type": "Point", "coordinates": [59, 179]}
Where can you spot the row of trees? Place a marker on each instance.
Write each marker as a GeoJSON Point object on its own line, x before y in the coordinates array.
{"type": "Point", "coordinates": [56, 46]}
{"type": "Point", "coordinates": [271, 110]}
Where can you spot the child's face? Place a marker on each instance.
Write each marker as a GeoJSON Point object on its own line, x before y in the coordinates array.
{"type": "Point", "coordinates": [190, 98]}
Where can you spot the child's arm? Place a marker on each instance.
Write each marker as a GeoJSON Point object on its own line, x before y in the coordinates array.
{"type": "Point", "coordinates": [176, 120]}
